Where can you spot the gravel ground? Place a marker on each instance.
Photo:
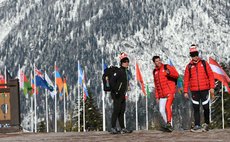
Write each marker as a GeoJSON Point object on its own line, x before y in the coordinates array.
{"type": "Point", "coordinates": [137, 136]}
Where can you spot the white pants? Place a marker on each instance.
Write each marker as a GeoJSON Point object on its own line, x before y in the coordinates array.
{"type": "Point", "coordinates": [162, 105]}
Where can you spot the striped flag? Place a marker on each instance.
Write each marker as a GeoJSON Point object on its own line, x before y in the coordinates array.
{"type": "Point", "coordinates": [219, 73]}
{"type": "Point", "coordinates": [59, 81]}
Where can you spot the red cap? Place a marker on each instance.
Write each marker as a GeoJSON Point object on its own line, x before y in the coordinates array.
{"type": "Point", "coordinates": [193, 48]}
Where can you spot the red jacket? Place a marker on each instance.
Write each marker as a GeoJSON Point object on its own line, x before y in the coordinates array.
{"type": "Point", "coordinates": [197, 79]}
{"type": "Point", "coordinates": [163, 85]}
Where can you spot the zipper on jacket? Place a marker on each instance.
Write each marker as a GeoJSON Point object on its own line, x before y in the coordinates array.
{"type": "Point", "coordinates": [127, 77]}
{"type": "Point", "coordinates": [159, 81]}
{"type": "Point", "coordinates": [197, 77]}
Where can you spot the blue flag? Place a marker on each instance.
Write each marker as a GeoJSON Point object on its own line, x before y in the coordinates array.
{"type": "Point", "coordinates": [80, 74]}
{"type": "Point", "coordinates": [40, 80]}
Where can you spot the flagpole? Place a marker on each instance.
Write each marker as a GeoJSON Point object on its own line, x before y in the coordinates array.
{"type": "Point", "coordinates": [67, 102]}
{"type": "Point", "coordinates": [55, 100]}
{"type": "Point", "coordinates": [103, 94]}
{"type": "Point", "coordinates": [136, 98]}
{"type": "Point", "coordinates": [83, 107]}
{"type": "Point", "coordinates": [5, 76]}
{"type": "Point", "coordinates": [35, 102]}
{"type": "Point", "coordinates": [64, 110]}
{"type": "Point", "coordinates": [210, 104]}
{"type": "Point", "coordinates": [147, 105]}
{"type": "Point", "coordinates": [79, 122]}
{"type": "Point", "coordinates": [47, 122]}
{"type": "Point", "coordinates": [222, 99]}
{"type": "Point", "coordinates": [19, 76]}
{"type": "Point", "coordinates": [147, 117]}
{"type": "Point", "coordinates": [31, 108]}
{"type": "Point", "coordinates": [125, 111]}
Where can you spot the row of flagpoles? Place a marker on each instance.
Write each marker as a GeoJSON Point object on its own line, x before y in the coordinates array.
{"type": "Point", "coordinates": [41, 79]}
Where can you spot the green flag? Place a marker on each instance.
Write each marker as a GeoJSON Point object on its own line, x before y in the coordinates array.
{"type": "Point", "coordinates": [27, 86]}
{"type": "Point", "coordinates": [147, 90]}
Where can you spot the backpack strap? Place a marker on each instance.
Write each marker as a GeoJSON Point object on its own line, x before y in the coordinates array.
{"type": "Point", "coordinates": [154, 72]}
{"type": "Point", "coordinates": [189, 69]}
{"type": "Point", "coordinates": [204, 65]}
{"type": "Point", "coordinates": [165, 67]}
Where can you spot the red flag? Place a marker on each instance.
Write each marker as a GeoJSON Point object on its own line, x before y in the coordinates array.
{"type": "Point", "coordinates": [2, 81]}
{"type": "Point", "coordinates": [139, 79]}
{"type": "Point", "coordinates": [219, 73]}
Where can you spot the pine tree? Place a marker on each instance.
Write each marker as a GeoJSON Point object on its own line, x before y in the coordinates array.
{"type": "Point", "coordinates": [42, 127]}
{"type": "Point", "coordinates": [93, 116]}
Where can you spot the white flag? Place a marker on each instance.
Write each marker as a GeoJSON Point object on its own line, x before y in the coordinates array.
{"type": "Point", "coordinates": [50, 83]}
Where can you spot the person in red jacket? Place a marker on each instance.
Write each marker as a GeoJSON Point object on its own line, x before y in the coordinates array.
{"type": "Point", "coordinates": [165, 77]}
{"type": "Point", "coordinates": [198, 77]}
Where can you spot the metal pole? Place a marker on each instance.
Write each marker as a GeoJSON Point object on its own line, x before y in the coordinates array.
{"type": "Point", "coordinates": [55, 101]}
{"type": "Point", "coordinates": [136, 98]}
{"type": "Point", "coordinates": [222, 99]}
{"type": "Point", "coordinates": [35, 102]}
{"type": "Point", "coordinates": [79, 121]}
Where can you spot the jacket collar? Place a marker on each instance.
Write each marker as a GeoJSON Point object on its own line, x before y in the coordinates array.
{"type": "Point", "coordinates": [123, 68]}
{"type": "Point", "coordinates": [193, 63]}
{"type": "Point", "coordinates": [162, 66]}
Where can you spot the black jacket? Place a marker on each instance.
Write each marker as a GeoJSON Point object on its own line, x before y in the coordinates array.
{"type": "Point", "coordinates": [119, 81]}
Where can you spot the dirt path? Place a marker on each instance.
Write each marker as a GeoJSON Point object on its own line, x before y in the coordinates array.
{"type": "Point", "coordinates": [139, 136]}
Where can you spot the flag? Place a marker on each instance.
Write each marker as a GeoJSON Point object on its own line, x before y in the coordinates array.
{"type": "Point", "coordinates": [8, 76]}
{"type": "Point", "coordinates": [40, 80]}
{"type": "Point", "coordinates": [180, 85]}
{"type": "Point", "coordinates": [50, 83]}
{"type": "Point", "coordinates": [2, 81]}
{"type": "Point", "coordinates": [148, 91]}
{"type": "Point", "coordinates": [80, 74]}
{"type": "Point", "coordinates": [27, 86]}
{"type": "Point", "coordinates": [59, 81]}
{"type": "Point", "coordinates": [105, 66]}
{"type": "Point", "coordinates": [219, 73]}
{"type": "Point", "coordinates": [170, 62]}
{"type": "Point", "coordinates": [24, 83]}
{"type": "Point", "coordinates": [85, 87]}
{"type": "Point", "coordinates": [33, 87]}
{"type": "Point", "coordinates": [21, 79]}
{"type": "Point", "coordinates": [139, 79]}
{"type": "Point", "coordinates": [65, 85]}
{"type": "Point", "coordinates": [179, 80]}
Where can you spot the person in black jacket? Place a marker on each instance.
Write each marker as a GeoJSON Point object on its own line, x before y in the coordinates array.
{"type": "Point", "coordinates": [119, 87]}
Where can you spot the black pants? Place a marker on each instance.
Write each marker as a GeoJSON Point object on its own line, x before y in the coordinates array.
{"type": "Point", "coordinates": [119, 105]}
{"type": "Point", "coordinates": [201, 97]}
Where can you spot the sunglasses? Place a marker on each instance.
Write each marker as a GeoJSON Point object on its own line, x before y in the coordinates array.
{"type": "Point", "coordinates": [125, 61]}
{"type": "Point", "coordinates": [193, 54]}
